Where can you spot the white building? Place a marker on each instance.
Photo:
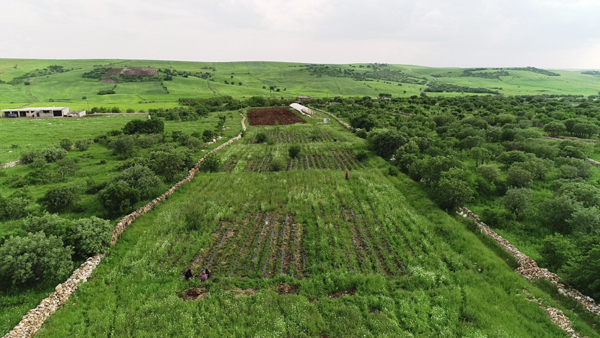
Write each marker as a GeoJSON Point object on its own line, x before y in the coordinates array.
{"type": "Point", "coordinates": [36, 112]}
{"type": "Point", "coordinates": [301, 109]}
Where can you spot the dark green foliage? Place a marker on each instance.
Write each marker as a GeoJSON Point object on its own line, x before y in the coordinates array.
{"type": "Point", "coordinates": [66, 144]}
{"type": "Point", "coordinates": [141, 179]}
{"type": "Point", "coordinates": [82, 145]}
{"type": "Point", "coordinates": [60, 198]}
{"type": "Point", "coordinates": [260, 137]}
{"type": "Point", "coordinates": [118, 198]}
{"type": "Point", "coordinates": [362, 156]}
{"type": "Point", "coordinates": [170, 162]}
{"type": "Point", "coordinates": [385, 142]}
{"type": "Point", "coordinates": [34, 258]}
{"type": "Point", "coordinates": [211, 163]}
{"type": "Point", "coordinates": [294, 151]}
{"type": "Point", "coordinates": [90, 236]}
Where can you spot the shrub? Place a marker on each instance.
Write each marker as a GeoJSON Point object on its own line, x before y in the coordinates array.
{"type": "Point", "coordinates": [211, 163]}
{"type": "Point", "coordinates": [66, 144]}
{"type": "Point", "coordinates": [207, 135]}
{"type": "Point", "coordinates": [141, 179]}
{"type": "Point", "coordinates": [54, 154]}
{"type": "Point", "coordinates": [260, 137]}
{"type": "Point", "coordinates": [294, 151]}
{"type": "Point", "coordinates": [60, 198]}
{"type": "Point", "coordinates": [82, 145]}
{"type": "Point", "coordinates": [90, 236]}
{"type": "Point", "coordinates": [362, 156]}
{"type": "Point", "coordinates": [277, 164]}
{"type": "Point", "coordinates": [118, 198]}
{"type": "Point", "coordinates": [31, 259]}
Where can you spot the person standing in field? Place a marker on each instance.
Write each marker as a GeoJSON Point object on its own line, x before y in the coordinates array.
{"type": "Point", "coordinates": [346, 175]}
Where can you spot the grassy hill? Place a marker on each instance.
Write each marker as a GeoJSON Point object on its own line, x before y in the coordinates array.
{"type": "Point", "coordinates": [67, 86]}
{"type": "Point", "coordinates": [305, 253]}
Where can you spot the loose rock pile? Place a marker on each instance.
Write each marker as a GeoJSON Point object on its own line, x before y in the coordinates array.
{"type": "Point", "coordinates": [569, 138]}
{"type": "Point", "coordinates": [530, 270]}
{"type": "Point", "coordinates": [593, 162]}
{"type": "Point", "coordinates": [11, 164]}
{"type": "Point", "coordinates": [34, 319]}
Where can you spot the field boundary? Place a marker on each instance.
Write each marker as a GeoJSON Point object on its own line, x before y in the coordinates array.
{"type": "Point", "coordinates": [529, 268]}
{"type": "Point", "coordinates": [35, 318]}
{"type": "Point", "coordinates": [346, 125]}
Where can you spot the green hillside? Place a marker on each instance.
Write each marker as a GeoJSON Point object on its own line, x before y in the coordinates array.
{"type": "Point", "coordinates": [38, 83]}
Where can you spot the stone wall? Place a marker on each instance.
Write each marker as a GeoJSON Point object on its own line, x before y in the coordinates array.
{"type": "Point", "coordinates": [11, 164]}
{"type": "Point", "coordinates": [529, 268]}
{"type": "Point", "coordinates": [35, 318]}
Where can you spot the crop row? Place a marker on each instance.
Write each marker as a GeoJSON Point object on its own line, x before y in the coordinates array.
{"type": "Point", "coordinates": [264, 245]}
{"type": "Point", "coordinates": [336, 160]}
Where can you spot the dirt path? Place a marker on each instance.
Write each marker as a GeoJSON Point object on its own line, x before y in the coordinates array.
{"type": "Point", "coordinates": [35, 318]}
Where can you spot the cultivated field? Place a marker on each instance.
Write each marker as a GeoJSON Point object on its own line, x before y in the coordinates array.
{"type": "Point", "coordinates": [272, 116]}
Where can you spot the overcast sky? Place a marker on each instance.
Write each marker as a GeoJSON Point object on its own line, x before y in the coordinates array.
{"type": "Point", "coordinates": [464, 33]}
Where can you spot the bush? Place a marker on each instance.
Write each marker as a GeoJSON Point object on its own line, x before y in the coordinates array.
{"type": "Point", "coordinates": [82, 145]}
{"type": "Point", "coordinates": [207, 136]}
{"type": "Point", "coordinates": [118, 198]}
{"type": "Point", "coordinates": [60, 198]}
{"type": "Point", "coordinates": [34, 258]}
{"type": "Point", "coordinates": [294, 151]}
{"type": "Point", "coordinates": [90, 236]}
{"type": "Point", "coordinates": [260, 137]}
{"type": "Point", "coordinates": [211, 163]}
{"type": "Point", "coordinates": [141, 179]}
{"type": "Point", "coordinates": [66, 144]}
{"type": "Point", "coordinates": [362, 156]}
{"type": "Point", "coordinates": [277, 164]}
{"type": "Point", "coordinates": [54, 154]}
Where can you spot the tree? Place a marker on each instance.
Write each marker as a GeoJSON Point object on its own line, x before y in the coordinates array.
{"type": "Point", "coordinates": [66, 144]}
{"type": "Point", "coordinates": [60, 198]}
{"type": "Point", "coordinates": [556, 251]}
{"type": "Point", "coordinates": [91, 236]}
{"type": "Point", "coordinates": [490, 173]}
{"type": "Point", "coordinates": [517, 201]}
{"type": "Point", "coordinates": [141, 178]}
{"type": "Point", "coordinates": [294, 151]}
{"type": "Point", "coordinates": [34, 258]}
{"type": "Point", "coordinates": [385, 142]}
{"type": "Point", "coordinates": [452, 191]}
{"type": "Point", "coordinates": [118, 198]}
{"type": "Point", "coordinates": [555, 128]}
{"type": "Point", "coordinates": [211, 163]}
{"type": "Point", "coordinates": [558, 211]}
{"type": "Point", "coordinates": [519, 177]}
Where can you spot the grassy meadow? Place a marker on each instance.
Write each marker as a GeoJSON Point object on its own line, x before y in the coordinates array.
{"type": "Point", "coordinates": [292, 79]}
{"type": "Point", "coordinates": [371, 256]}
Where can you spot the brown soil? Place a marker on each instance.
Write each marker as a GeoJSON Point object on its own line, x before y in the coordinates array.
{"type": "Point", "coordinates": [268, 117]}
{"type": "Point", "coordinates": [193, 293]}
{"type": "Point", "coordinates": [286, 289]}
{"type": "Point", "coordinates": [140, 71]}
{"type": "Point", "coordinates": [340, 294]}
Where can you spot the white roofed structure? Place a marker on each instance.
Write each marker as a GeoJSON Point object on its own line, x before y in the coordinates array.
{"type": "Point", "coordinates": [302, 109]}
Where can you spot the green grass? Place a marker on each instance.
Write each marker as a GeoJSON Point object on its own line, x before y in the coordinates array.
{"type": "Point", "coordinates": [417, 271]}
{"type": "Point", "coordinates": [69, 88]}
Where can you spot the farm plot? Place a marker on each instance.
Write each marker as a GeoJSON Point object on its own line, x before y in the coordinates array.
{"type": "Point", "coordinates": [272, 116]}
{"type": "Point", "coordinates": [264, 245]}
{"type": "Point", "coordinates": [334, 160]}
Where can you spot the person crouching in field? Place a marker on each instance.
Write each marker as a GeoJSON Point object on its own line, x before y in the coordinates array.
{"type": "Point", "coordinates": [205, 275]}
